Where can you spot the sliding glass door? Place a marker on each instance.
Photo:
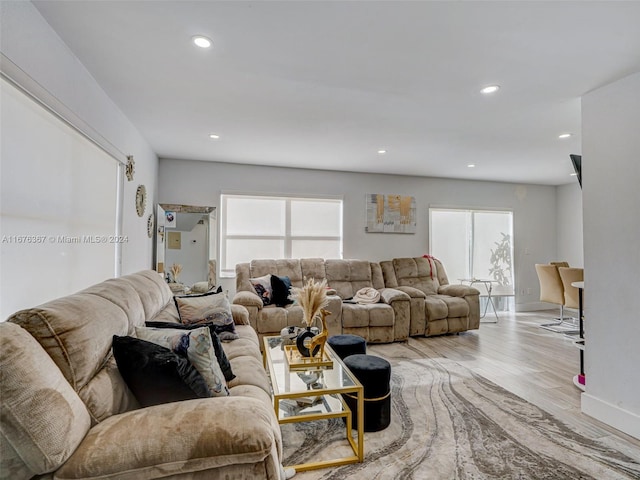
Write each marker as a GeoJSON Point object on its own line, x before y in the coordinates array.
{"type": "Point", "coordinates": [474, 244]}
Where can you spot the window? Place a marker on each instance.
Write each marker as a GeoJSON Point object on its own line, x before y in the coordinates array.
{"type": "Point", "coordinates": [474, 244]}
{"type": "Point", "coordinates": [255, 226]}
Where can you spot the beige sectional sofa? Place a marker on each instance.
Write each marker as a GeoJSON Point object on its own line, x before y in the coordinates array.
{"type": "Point", "coordinates": [436, 306]}
{"type": "Point", "coordinates": [68, 414]}
{"type": "Point", "coordinates": [416, 297]}
{"type": "Point", "coordinates": [382, 322]}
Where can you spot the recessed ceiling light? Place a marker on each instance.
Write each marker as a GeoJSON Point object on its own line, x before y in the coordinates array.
{"type": "Point", "coordinates": [381, 152]}
{"type": "Point", "coordinates": [573, 174]}
{"type": "Point", "coordinates": [565, 135]}
{"type": "Point", "coordinates": [490, 89]}
{"type": "Point", "coordinates": [213, 136]}
{"type": "Point", "coordinates": [201, 41]}
{"type": "Point", "coordinates": [471, 165]}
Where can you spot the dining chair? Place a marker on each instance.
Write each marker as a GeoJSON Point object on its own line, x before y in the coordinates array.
{"type": "Point", "coordinates": [552, 291]}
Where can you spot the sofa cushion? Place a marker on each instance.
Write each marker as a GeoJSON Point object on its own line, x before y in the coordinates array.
{"type": "Point", "coordinates": [43, 420]}
{"type": "Point", "coordinates": [436, 308]}
{"type": "Point", "coordinates": [155, 374]}
{"type": "Point", "coordinates": [247, 344]}
{"type": "Point", "coordinates": [417, 272]}
{"type": "Point", "coordinates": [223, 361]}
{"type": "Point", "coordinates": [348, 276]}
{"type": "Point", "coordinates": [76, 333]}
{"type": "Point", "coordinates": [378, 315]}
{"type": "Point", "coordinates": [156, 293]}
{"type": "Point", "coordinates": [208, 308]}
{"type": "Point", "coordinates": [311, 268]}
{"type": "Point", "coordinates": [179, 438]}
{"type": "Point", "coordinates": [458, 307]}
{"type": "Point", "coordinates": [249, 371]}
{"type": "Point", "coordinates": [283, 267]}
{"type": "Point", "coordinates": [167, 314]}
{"type": "Point", "coordinates": [197, 346]}
{"type": "Point", "coordinates": [108, 379]}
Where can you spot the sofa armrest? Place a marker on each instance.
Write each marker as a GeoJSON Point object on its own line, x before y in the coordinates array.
{"type": "Point", "coordinates": [400, 302]}
{"type": "Point", "coordinates": [179, 438]}
{"type": "Point", "coordinates": [389, 295]}
{"type": "Point", "coordinates": [247, 299]}
{"type": "Point", "coordinates": [412, 292]}
{"type": "Point", "coordinates": [240, 314]}
{"type": "Point", "coordinates": [457, 290]}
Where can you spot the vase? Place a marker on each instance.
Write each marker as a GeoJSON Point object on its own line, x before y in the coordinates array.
{"type": "Point", "coordinates": [304, 340]}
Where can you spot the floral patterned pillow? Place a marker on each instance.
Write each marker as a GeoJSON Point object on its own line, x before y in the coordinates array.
{"type": "Point", "coordinates": [196, 345]}
{"type": "Point", "coordinates": [262, 286]}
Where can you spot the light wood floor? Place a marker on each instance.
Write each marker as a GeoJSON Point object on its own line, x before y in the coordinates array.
{"type": "Point", "coordinates": [534, 363]}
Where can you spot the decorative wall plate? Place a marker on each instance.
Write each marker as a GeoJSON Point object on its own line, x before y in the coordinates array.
{"type": "Point", "coordinates": [150, 225]}
{"type": "Point", "coordinates": [130, 168]}
{"type": "Point", "coordinates": [141, 200]}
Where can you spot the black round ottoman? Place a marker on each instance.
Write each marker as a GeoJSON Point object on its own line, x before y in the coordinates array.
{"type": "Point", "coordinates": [345, 345]}
{"type": "Point", "coordinates": [374, 373]}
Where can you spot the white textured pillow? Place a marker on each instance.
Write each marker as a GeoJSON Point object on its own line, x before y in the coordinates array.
{"type": "Point", "coordinates": [197, 346]}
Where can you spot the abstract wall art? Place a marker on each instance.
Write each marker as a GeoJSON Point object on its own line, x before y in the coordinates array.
{"type": "Point", "coordinates": [390, 213]}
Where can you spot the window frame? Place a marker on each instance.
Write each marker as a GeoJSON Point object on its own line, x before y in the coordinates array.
{"type": "Point", "coordinates": [227, 271]}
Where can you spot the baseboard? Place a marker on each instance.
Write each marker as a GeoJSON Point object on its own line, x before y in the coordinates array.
{"type": "Point", "coordinates": [616, 417]}
{"type": "Point", "coordinates": [532, 307]}
{"type": "Point", "coordinates": [537, 306]}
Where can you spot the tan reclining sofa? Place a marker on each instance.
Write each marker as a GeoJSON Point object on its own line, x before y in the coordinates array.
{"type": "Point", "coordinates": [68, 414]}
{"type": "Point", "coordinates": [436, 306]}
{"type": "Point", "coordinates": [382, 322]}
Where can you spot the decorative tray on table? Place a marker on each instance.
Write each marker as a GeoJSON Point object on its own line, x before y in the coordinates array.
{"type": "Point", "coordinates": [298, 362]}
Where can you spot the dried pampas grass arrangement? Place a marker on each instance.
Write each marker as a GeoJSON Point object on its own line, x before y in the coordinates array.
{"type": "Point", "coordinates": [176, 268]}
{"type": "Point", "coordinates": [312, 297]}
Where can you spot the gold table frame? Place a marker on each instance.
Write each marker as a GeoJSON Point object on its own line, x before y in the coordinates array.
{"type": "Point", "coordinates": [338, 380]}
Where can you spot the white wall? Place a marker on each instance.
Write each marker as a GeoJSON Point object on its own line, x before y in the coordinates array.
{"type": "Point", "coordinates": [28, 41]}
{"type": "Point", "coordinates": [570, 244]}
{"type": "Point", "coordinates": [200, 183]}
{"type": "Point", "coordinates": [611, 171]}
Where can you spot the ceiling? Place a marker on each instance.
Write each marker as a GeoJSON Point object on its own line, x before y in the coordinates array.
{"type": "Point", "coordinates": [326, 84]}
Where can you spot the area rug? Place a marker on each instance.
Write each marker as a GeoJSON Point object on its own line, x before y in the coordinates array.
{"type": "Point", "coordinates": [450, 423]}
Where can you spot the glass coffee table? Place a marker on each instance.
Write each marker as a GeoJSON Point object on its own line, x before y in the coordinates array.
{"type": "Point", "coordinates": [314, 393]}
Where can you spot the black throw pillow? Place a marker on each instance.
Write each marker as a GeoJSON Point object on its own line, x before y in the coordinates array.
{"type": "Point", "coordinates": [280, 287]}
{"type": "Point", "coordinates": [223, 361]}
{"type": "Point", "coordinates": [155, 374]}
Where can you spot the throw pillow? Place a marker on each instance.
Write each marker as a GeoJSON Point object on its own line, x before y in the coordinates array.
{"type": "Point", "coordinates": [197, 346]}
{"type": "Point", "coordinates": [155, 374]}
{"type": "Point", "coordinates": [223, 361]}
{"type": "Point", "coordinates": [262, 286]}
{"type": "Point", "coordinates": [280, 287]}
{"type": "Point", "coordinates": [208, 308]}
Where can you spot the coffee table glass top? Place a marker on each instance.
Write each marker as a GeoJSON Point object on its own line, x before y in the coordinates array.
{"type": "Point", "coordinates": [306, 392]}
